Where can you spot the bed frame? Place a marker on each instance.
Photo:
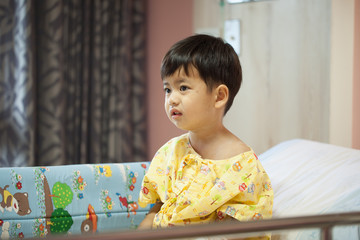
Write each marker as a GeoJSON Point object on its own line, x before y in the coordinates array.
{"type": "Point", "coordinates": [233, 230]}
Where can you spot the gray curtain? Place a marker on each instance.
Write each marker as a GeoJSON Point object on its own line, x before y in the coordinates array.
{"type": "Point", "coordinates": [72, 82]}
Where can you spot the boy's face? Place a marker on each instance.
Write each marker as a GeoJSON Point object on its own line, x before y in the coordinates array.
{"type": "Point", "coordinates": [188, 102]}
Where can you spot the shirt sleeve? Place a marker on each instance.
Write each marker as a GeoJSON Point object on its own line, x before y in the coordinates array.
{"type": "Point", "coordinates": [153, 181]}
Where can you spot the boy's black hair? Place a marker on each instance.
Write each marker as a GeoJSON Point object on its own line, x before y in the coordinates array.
{"type": "Point", "coordinates": [215, 60]}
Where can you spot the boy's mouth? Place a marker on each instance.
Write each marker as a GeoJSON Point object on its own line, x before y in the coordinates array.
{"type": "Point", "coordinates": [175, 113]}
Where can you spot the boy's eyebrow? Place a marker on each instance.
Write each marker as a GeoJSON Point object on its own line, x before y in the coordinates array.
{"type": "Point", "coordinates": [177, 81]}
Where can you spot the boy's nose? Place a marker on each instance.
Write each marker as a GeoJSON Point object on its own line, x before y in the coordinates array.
{"type": "Point", "coordinates": [173, 100]}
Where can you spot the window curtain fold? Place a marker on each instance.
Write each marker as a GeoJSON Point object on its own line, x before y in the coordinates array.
{"type": "Point", "coordinates": [72, 82]}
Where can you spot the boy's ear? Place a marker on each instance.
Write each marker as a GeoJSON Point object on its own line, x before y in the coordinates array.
{"type": "Point", "coordinates": [222, 96]}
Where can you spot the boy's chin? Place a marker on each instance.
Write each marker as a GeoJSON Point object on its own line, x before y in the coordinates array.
{"type": "Point", "coordinates": [180, 126]}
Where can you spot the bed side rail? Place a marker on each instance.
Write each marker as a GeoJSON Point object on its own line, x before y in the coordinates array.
{"type": "Point", "coordinates": [324, 222]}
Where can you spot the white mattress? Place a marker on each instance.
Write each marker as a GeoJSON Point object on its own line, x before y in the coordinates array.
{"type": "Point", "coordinates": [311, 178]}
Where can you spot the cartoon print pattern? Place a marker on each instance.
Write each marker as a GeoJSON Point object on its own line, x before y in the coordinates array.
{"type": "Point", "coordinates": [101, 171]}
{"type": "Point", "coordinates": [106, 202]}
{"type": "Point", "coordinates": [11, 231]}
{"type": "Point", "coordinates": [127, 200]}
{"type": "Point", "coordinates": [16, 180]}
{"type": "Point", "coordinates": [18, 202]}
{"type": "Point", "coordinates": [78, 184]}
{"type": "Point", "coordinates": [56, 197]}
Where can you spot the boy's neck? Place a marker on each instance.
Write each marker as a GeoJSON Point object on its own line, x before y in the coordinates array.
{"type": "Point", "coordinates": [217, 144]}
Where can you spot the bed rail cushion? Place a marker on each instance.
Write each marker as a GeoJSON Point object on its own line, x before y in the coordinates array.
{"type": "Point", "coordinates": [70, 199]}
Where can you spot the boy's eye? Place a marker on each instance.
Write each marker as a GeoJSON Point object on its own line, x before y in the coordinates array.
{"type": "Point", "coordinates": [167, 90]}
{"type": "Point", "coordinates": [183, 88]}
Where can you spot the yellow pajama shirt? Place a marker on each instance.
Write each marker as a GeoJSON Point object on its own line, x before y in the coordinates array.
{"type": "Point", "coordinates": [196, 190]}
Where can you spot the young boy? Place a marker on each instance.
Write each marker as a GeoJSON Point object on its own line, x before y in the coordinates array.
{"type": "Point", "coordinates": [207, 174]}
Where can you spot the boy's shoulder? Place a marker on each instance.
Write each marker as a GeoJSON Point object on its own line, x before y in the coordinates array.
{"type": "Point", "coordinates": [178, 144]}
{"type": "Point", "coordinates": [239, 147]}
{"type": "Point", "coordinates": [178, 139]}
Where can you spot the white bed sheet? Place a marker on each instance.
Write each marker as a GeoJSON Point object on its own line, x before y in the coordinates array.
{"type": "Point", "coordinates": [310, 178]}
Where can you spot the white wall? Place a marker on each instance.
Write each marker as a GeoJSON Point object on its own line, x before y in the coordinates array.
{"type": "Point", "coordinates": [285, 55]}
{"type": "Point", "coordinates": [342, 57]}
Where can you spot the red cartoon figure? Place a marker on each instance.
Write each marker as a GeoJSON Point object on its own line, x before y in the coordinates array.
{"type": "Point", "coordinates": [90, 224]}
{"type": "Point", "coordinates": [131, 206]}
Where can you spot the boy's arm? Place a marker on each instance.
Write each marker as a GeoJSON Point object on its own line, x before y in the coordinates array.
{"type": "Point", "coordinates": [149, 218]}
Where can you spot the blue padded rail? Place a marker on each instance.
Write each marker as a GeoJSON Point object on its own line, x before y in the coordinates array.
{"type": "Point", "coordinates": [70, 199]}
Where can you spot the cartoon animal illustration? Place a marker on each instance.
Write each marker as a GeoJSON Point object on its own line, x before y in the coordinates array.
{"type": "Point", "coordinates": [19, 202]}
{"type": "Point", "coordinates": [130, 206]}
{"type": "Point", "coordinates": [105, 170]}
{"type": "Point", "coordinates": [90, 224]}
{"type": "Point", "coordinates": [5, 231]}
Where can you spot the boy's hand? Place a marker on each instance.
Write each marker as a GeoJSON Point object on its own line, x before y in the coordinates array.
{"type": "Point", "coordinates": [149, 218]}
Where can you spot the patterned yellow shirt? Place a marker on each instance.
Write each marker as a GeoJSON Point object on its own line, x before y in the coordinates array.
{"type": "Point", "coordinates": [197, 190]}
